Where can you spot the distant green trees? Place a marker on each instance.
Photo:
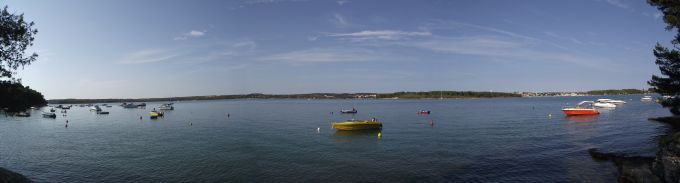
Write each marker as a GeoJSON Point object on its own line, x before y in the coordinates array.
{"type": "Point", "coordinates": [447, 94]}
{"type": "Point", "coordinates": [668, 59]}
{"type": "Point", "coordinates": [16, 35]}
{"type": "Point", "coordinates": [615, 92]}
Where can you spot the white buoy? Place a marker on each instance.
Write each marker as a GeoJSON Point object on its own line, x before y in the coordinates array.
{"type": "Point", "coordinates": [318, 130]}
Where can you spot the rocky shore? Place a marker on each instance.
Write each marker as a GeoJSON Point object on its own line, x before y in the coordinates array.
{"type": "Point", "coordinates": [665, 167]}
{"type": "Point", "coordinates": [7, 176]}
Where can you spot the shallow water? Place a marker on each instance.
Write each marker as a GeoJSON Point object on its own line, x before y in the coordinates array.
{"type": "Point", "coordinates": [472, 140]}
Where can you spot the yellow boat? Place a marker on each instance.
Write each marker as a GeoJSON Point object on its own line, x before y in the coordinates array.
{"type": "Point", "coordinates": [153, 114]}
{"type": "Point", "coordinates": [357, 125]}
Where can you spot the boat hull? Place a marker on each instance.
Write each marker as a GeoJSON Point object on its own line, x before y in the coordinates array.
{"type": "Point", "coordinates": [50, 115]}
{"type": "Point", "coordinates": [153, 115]}
{"type": "Point", "coordinates": [357, 125]}
{"type": "Point", "coordinates": [604, 105]}
{"type": "Point", "coordinates": [575, 112]}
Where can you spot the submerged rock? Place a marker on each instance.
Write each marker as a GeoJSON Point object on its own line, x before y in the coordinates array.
{"type": "Point", "coordinates": [631, 168]}
{"type": "Point", "coordinates": [7, 176]}
{"type": "Point", "coordinates": [674, 121]}
{"type": "Point", "coordinates": [667, 161]}
{"type": "Point", "coordinates": [665, 167]}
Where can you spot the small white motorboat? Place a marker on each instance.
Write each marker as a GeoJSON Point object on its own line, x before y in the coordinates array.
{"type": "Point", "coordinates": [95, 108]}
{"type": "Point", "coordinates": [23, 114]}
{"type": "Point", "coordinates": [166, 107]}
{"type": "Point", "coordinates": [604, 105]}
{"type": "Point", "coordinates": [605, 100]}
{"type": "Point", "coordinates": [646, 98]}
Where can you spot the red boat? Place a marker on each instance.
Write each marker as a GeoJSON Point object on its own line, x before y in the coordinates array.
{"type": "Point", "coordinates": [582, 108]}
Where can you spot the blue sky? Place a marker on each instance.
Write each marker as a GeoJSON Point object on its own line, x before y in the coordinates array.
{"type": "Point", "coordinates": [132, 49]}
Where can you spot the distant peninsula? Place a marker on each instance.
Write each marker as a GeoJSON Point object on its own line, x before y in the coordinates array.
{"type": "Point", "coordinates": [395, 95]}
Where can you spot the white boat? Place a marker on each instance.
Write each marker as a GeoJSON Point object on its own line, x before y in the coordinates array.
{"type": "Point", "coordinates": [617, 102]}
{"type": "Point", "coordinates": [606, 100]}
{"type": "Point", "coordinates": [95, 108]}
{"type": "Point", "coordinates": [23, 114]}
{"type": "Point", "coordinates": [646, 98]}
{"type": "Point", "coordinates": [604, 105]}
{"type": "Point", "coordinates": [166, 107]}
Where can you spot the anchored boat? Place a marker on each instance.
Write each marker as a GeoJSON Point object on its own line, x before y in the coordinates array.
{"type": "Point", "coordinates": [606, 100]}
{"type": "Point", "coordinates": [23, 114]}
{"type": "Point", "coordinates": [349, 111]}
{"type": "Point", "coordinates": [357, 125]}
{"type": "Point", "coordinates": [95, 108]}
{"type": "Point", "coordinates": [604, 105]}
{"type": "Point", "coordinates": [49, 115]}
{"type": "Point", "coordinates": [582, 108]}
{"type": "Point", "coordinates": [423, 112]}
{"type": "Point", "coordinates": [155, 114]}
{"type": "Point", "coordinates": [167, 106]}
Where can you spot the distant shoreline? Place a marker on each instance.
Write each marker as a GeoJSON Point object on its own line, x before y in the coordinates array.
{"type": "Point", "coordinates": [431, 95]}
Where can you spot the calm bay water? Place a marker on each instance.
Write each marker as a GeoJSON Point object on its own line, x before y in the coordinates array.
{"type": "Point", "coordinates": [472, 140]}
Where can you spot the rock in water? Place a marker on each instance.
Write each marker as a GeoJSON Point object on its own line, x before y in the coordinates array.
{"type": "Point", "coordinates": [665, 167]}
{"type": "Point", "coordinates": [667, 161]}
{"type": "Point", "coordinates": [7, 176]}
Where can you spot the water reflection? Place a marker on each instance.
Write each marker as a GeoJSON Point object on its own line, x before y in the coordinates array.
{"type": "Point", "coordinates": [581, 118]}
{"type": "Point", "coordinates": [357, 133]}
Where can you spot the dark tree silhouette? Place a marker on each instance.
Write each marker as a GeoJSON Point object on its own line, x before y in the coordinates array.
{"type": "Point", "coordinates": [668, 59]}
{"type": "Point", "coordinates": [15, 36]}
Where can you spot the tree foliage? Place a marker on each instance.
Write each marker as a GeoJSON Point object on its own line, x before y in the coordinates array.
{"type": "Point", "coordinates": [16, 97]}
{"type": "Point", "coordinates": [667, 59]}
{"type": "Point", "coordinates": [16, 35]}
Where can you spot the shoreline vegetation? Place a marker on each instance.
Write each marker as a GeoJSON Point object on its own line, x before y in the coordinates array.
{"type": "Point", "coordinates": [15, 97]}
{"type": "Point", "coordinates": [395, 95]}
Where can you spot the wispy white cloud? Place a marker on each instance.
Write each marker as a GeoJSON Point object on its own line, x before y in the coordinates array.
{"type": "Point", "coordinates": [325, 55]}
{"type": "Point", "coordinates": [503, 48]}
{"type": "Point", "coordinates": [486, 30]}
{"type": "Point", "coordinates": [191, 34]}
{"type": "Point", "coordinates": [340, 20]}
{"type": "Point", "coordinates": [232, 50]}
{"type": "Point", "coordinates": [618, 3]}
{"type": "Point", "coordinates": [574, 40]}
{"type": "Point", "coordinates": [148, 56]}
{"type": "Point", "coordinates": [380, 35]}
{"type": "Point", "coordinates": [270, 1]}
{"type": "Point", "coordinates": [342, 2]}
{"type": "Point", "coordinates": [193, 53]}
{"type": "Point", "coordinates": [245, 44]}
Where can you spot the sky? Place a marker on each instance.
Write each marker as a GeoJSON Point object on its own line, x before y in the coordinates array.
{"type": "Point", "coordinates": [153, 48]}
